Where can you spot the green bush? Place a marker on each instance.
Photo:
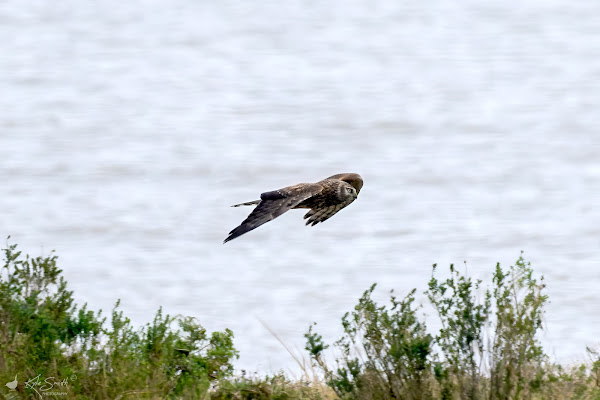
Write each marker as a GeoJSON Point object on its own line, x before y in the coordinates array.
{"type": "Point", "coordinates": [42, 332]}
{"type": "Point", "coordinates": [461, 338]}
{"type": "Point", "coordinates": [516, 356]}
{"type": "Point", "coordinates": [392, 342]}
{"type": "Point", "coordinates": [486, 348]}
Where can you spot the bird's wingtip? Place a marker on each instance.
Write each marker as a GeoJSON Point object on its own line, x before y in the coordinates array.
{"type": "Point", "coordinates": [230, 237]}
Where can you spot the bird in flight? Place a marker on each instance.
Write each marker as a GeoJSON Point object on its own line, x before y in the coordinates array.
{"type": "Point", "coordinates": [324, 199]}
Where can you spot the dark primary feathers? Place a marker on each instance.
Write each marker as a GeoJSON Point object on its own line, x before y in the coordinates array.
{"type": "Point", "coordinates": [324, 199]}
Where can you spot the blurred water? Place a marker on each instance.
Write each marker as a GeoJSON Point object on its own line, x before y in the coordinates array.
{"type": "Point", "coordinates": [128, 128]}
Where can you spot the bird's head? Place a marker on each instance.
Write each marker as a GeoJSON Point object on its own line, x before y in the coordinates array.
{"type": "Point", "coordinates": [347, 192]}
{"type": "Point", "coordinates": [353, 179]}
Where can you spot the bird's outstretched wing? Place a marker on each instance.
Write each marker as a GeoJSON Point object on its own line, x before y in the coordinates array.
{"type": "Point", "coordinates": [273, 204]}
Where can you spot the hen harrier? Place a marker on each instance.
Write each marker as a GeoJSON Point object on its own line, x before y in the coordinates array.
{"type": "Point", "coordinates": [324, 199]}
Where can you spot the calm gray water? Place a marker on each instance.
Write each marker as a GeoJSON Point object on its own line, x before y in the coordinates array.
{"type": "Point", "coordinates": [128, 128]}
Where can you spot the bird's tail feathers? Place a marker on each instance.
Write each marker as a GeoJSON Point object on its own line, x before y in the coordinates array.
{"type": "Point", "coordinates": [248, 203]}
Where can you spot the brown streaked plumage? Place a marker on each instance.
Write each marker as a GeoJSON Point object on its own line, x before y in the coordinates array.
{"type": "Point", "coordinates": [324, 198]}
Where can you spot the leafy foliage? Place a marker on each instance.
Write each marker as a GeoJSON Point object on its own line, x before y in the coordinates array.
{"type": "Point", "coordinates": [392, 342]}
{"type": "Point", "coordinates": [461, 338]}
{"type": "Point", "coordinates": [486, 348]}
{"type": "Point", "coordinates": [42, 332]}
{"type": "Point", "coordinates": [516, 356]}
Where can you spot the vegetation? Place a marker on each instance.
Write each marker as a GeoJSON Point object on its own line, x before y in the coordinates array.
{"type": "Point", "coordinates": [43, 333]}
{"type": "Point", "coordinates": [486, 348]}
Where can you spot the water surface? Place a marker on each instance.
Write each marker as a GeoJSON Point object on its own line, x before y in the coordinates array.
{"type": "Point", "coordinates": [128, 128]}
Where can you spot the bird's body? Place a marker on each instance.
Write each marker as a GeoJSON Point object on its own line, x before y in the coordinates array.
{"type": "Point", "coordinates": [323, 198]}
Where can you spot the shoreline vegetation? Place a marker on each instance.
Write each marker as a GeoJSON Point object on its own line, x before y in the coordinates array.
{"type": "Point", "coordinates": [487, 346]}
